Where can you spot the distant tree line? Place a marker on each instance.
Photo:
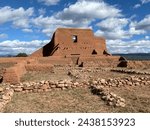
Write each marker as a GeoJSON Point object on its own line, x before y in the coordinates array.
{"type": "Point", "coordinates": [21, 55]}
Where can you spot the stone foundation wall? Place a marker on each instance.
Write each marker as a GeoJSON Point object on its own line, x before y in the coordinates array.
{"type": "Point", "coordinates": [130, 71]}
{"type": "Point", "coordinates": [99, 87]}
{"type": "Point", "coordinates": [5, 96]}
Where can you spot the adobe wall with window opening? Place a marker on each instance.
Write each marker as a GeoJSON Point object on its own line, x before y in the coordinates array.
{"type": "Point", "coordinates": [73, 42]}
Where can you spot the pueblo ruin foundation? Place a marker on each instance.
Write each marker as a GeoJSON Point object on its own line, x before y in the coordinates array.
{"type": "Point", "coordinates": [74, 61]}
{"type": "Point", "coordinates": [68, 47]}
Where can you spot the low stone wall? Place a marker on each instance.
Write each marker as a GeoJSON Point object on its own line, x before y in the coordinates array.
{"type": "Point", "coordinates": [110, 98]}
{"type": "Point", "coordinates": [7, 90]}
{"type": "Point", "coordinates": [46, 86]}
{"type": "Point", "coordinates": [130, 71]}
{"type": "Point", "coordinates": [5, 96]}
{"type": "Point", "coordinates": [99, 87]}
{"type": "Point", "coordinates": [65, 84]}
{"type": "Point", "coordinates": [123, 82]}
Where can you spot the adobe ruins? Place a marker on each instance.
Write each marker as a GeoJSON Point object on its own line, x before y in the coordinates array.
{"type": "Point", "coordinates": [75, 58]}
{"type": "Point", "coordinates": [73, 42]}
{"type": "Point", "coordinates": [68, 47]}
{"type": "Point", "coordinates": [79, 47]}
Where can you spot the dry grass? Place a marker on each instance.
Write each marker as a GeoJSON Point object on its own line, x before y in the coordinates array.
{"type": "Point", "coordinates": [137, 99]}
{"type": "Point", "coordinates": [79, 100]}
{"type": "Point", "coordinates": [38, 76]}
{"type": "Point", "coordinates": [59, 74]}
{"type": "Point", "coordinates": [75, 100]}
{"type": "Point", "coordinates": [6, 65]}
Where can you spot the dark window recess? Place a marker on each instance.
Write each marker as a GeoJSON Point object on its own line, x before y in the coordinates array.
{"type": "Point", "coordinates": [75, 54]}
{"type": "Point", "coordinates": [74, 38]}
{"type": "Point", "coordinates": [94, 52]}
{"type": "Point", "coordinates": [65, 48]}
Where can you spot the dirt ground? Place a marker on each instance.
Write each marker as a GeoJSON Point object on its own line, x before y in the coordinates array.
{"type": "Point", "coordinates": [79, 74]}
{"type": "Point", "coordinates": [78, 99]}
{"type": "Point", "coordinates": [6, 65]}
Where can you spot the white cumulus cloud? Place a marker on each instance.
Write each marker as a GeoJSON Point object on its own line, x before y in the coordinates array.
{"type": "Point", "coordinates": [88, 10]}
{"type": "Point", "coordinates": [19, 17]}
{"type": "Point", "coordinates": [16, 46]}
{"type": "Point", "coordinates": [133, 46]}
{"type": "Point", "coordinates": [112, 23]}
{"type": "Point", "coordinates": [80, 14]}
{"type": "Point", "coordinates": [49, 2]}
{"type": "Point", "coordinates": [113, 28]}
{"type": "Point", "coordinates": [142, 26]}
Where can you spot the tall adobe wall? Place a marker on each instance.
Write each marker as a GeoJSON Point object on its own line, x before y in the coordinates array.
{"type": "Point", "coordinates": [70, 42]}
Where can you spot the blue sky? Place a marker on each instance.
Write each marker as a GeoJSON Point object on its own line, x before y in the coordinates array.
{"type": "Point", "coordinates": [26, 25]}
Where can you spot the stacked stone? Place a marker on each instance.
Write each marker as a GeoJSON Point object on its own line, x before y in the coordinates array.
{"type": "Point", "coordinates": [101, 86]}
{"type": "Point", "coordinates": [64, 84]}
{"type": "Point", "coordinates": [130, 71]}
{"type": "Point", "coordinates": [110, 98]}
{"type": "Point", "coordinates": [5, 96]}
{"type": "Point", "coordinates": [46, 86]}
{"type": "Point", "coordinates": [123, 82]}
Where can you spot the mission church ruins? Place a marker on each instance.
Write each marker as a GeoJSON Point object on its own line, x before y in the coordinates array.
{"type": "Point", "coordinates": [73, 42]}
{"type": "Point", "coordinates": [73, 58]}
{"type": "Point", "coordinates": [68, 47]}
